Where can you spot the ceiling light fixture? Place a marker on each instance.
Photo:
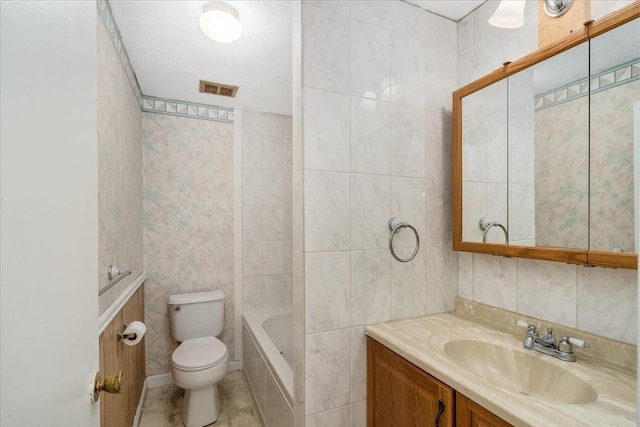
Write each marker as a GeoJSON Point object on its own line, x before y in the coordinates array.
{"type": "Point", "coordinates": [509, 14]}
{"type": "Point", "coordinates": [220, 22]}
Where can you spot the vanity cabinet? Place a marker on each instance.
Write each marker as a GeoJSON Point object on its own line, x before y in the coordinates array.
{"type": "Point", "coordinates": [403, 395]}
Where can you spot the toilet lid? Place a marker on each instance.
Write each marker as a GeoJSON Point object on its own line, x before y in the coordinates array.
{"type": "Point", "coordinates": [199, 353]}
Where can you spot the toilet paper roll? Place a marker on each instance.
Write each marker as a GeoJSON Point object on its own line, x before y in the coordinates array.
{"type": "Point", "coordinates": [135, 331]}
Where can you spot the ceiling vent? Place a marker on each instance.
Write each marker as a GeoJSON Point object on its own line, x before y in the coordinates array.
{"type": "Point", "coordinates": [218, 89]}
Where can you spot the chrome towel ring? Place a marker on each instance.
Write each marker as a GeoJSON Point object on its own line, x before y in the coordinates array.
{"type": "Point", "coordinates": [396, 224]}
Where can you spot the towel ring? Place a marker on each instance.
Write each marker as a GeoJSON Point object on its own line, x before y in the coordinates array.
{"type": "Point", "coordinates": [396, 224]}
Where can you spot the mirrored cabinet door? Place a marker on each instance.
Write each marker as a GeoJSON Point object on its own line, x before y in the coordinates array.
{"type": "Point", "coordinates": [548, 120]}
{"type": "Point", "coordinates": [615, 95]}
{"type": "Point", "coordinates": [484, 164]}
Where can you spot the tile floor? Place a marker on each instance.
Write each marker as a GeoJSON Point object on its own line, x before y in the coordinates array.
{"type": "Point", "coordinates": [163, 405]}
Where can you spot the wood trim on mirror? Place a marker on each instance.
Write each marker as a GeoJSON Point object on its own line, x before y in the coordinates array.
{"type": "Point", "coordinates": [573, 256]}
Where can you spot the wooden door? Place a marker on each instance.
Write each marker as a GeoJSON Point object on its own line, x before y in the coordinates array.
{"type": "Point", "coordinates": [400, 394]}
{"type": "Point", "coordinates": [470, 414]}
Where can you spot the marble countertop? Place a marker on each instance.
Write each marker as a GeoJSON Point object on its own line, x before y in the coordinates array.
{"type": "Point", "coordinates": [421, 341]}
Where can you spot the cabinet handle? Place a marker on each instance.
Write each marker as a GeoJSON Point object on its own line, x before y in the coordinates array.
{"type": "Point", "coordinates": [440, 411]}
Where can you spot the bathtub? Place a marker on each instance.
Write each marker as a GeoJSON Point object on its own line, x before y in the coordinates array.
{"type": "Point", "coordinates": [267, 358]}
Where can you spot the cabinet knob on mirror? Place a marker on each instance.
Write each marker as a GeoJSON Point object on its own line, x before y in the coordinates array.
{"type": "Point", "coordinates": [111, 384]}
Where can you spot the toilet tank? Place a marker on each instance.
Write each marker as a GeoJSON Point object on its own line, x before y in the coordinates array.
{"type": "Point", "coordinates": [195, 315]}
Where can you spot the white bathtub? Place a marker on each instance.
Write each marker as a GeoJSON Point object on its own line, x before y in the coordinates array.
{"type": "Point", "coordinates": [267, 358]}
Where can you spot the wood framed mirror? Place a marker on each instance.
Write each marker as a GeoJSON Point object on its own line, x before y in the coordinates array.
{"type": "Point", "coordinates": [544, 151]}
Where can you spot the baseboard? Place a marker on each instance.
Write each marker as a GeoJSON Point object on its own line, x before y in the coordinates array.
{"type": "Point", "coordinates": [165, 379]}
{"type": "Point", "coordinates": [143, 396]}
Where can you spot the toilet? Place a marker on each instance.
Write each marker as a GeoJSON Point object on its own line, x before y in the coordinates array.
{"type": "Point", "coordinates": [201, 360]}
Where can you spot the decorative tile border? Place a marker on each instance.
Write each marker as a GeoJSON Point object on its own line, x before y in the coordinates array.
{"type": "Point", "coordinates": [150, 103]}
{"type": "Point", "coordinates": [187, 109]}
{"type": "Point", "coordinates": [616, 76]}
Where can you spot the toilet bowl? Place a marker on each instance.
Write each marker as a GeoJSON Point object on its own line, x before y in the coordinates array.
{"type": "Point", "coordinates": [197, 365]}
{"type": "Point", "coordinates": [201, 360]}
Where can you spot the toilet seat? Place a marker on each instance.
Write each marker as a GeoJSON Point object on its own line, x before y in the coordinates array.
{"type": "Point", "coordinates": [198, 354]}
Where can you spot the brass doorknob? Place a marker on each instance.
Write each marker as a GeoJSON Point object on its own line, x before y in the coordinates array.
{"type": "Point", "coordinates": [111, 384]}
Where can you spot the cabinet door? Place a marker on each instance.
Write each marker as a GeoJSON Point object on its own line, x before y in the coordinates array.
{"type": "Point", "coordinates": [470, 414]}
{"type": "Point", "coordinates": [400, 394]}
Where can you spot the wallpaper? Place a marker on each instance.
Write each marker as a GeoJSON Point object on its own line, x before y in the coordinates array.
{"type": "Point", "coordinates": [119, 170]}
{"type": "Point", "coordinates": [188, 221]}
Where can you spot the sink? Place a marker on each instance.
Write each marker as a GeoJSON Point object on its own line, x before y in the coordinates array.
{"type": "Point", "coordinates": [520, 372]}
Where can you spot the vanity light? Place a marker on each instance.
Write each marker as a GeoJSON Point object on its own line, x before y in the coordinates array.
{"type": "Point", "coordinates": [220, 22]}
{"type": "Point", "coordinates": [509, 14]}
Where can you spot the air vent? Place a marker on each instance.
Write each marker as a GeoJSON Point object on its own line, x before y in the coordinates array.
{"type": "Point", "coordinates": [218, 89]}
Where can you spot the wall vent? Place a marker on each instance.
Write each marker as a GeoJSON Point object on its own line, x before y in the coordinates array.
{"type": "Point", "coordinates": [218, 89]}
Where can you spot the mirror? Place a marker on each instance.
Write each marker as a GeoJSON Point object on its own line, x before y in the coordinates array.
{"type": "Point", "coordinates": [543, 153]}
{"type": "Point", "coordinates": [615, 90]}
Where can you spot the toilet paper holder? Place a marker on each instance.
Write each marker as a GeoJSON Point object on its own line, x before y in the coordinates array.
{"type": "Point", "coordinates": [128, 336]}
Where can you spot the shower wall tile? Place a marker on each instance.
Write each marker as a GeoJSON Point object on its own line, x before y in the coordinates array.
{"type": "Point", "coordinates": [188, 204]}
{"type": "Point", "coordinates": [326, 211]}
{"type": "Point", "coordinates": [370, 136]}
{"type": "Point", "coordinates": [407, 136]}
{"type": "Point", "coordinates": [298, 211]}
{"type": "Point", "coordinates": [370, 206]}
{"type": "Point", "coordinates": [407, 74]}
{"type": "Point", "coordinates": [272, 222]}
{"type": "Point", "coordinates": [273, 291]}
{"type": "Point", "coordinates": [547, 290]}
{"type": "Point", "coordinates": [370, 286]}
{"type": "Point", "coordinates": [251, 222]}
{"type": "Point", "coordinates": [327, 291]}
{"type": "Point", "coordinates": [251, 260]}
{"type": "Point", "coordinates": [326, 49]}
{"type": "Point", "coordinates": [251, 187]}
{"type": "Point", "coordinates": [327, 368]}
{"type": "Point", "coordinates": [272, 191]}
{"type": "Point", "coordinates": [326, 130]}
{"type": "Point", "coordinates": [251, 293]}
{"type": "Point", "coordinates": [299, 308]}
{"type": "Point", "coordinates": [370, 56]}
{"type": "Point", "coordinates": [272, 257]}
{"type": "Point", "coordinates": [272, 152]}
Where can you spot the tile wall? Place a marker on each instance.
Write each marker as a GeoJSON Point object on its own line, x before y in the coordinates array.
{"type": "Point", "coordinates": [372, 118]}
{"type": "Point", "coordinates": [267, 211]}
{"type": "Point", "coordinates": [598, 300]}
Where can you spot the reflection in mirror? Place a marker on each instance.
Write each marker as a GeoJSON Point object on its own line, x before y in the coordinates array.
{"type": "Point", "coordinates": [615, 90]}
{"type": "Point", "coordinates": [484, 163]}
{"type": "Point", "coordinates": [549, 152]}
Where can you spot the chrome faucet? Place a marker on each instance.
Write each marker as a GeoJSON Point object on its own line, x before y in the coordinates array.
{"type": "Point", "coordinates": [548, 344]}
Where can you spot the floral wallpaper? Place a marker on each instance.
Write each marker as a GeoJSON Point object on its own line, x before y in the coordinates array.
{"type": "Point", "coordinates": [188, 222]}
{"type": "Point", "coordinates": [562, 174]}
{"type": "Point", "coordinates": [119, 170]}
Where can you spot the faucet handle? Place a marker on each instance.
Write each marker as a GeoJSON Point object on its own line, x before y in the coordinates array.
{"type": "Point", "coordinates": [523, 324]}
{"type": "Point", "coordinates": [578, 342]}
{"type": "Point", "coordinates": [566, 344]}
{"type": "Point", "coordinates": [531, 329]}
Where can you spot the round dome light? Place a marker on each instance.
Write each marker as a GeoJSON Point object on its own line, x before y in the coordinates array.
{"type": "Point", "coordinates": [220, 22]}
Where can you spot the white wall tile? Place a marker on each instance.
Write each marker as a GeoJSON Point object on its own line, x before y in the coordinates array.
{"type": "Point", "coordinates": [438, 143]}
{"type": "Point", "coordinates": [272, 188]}
{"type": "Point", "coordinates": [547, 290]}
{"type": "Point", "coordinates": [375, 12]}
{"type": "Point", "coordinates": [407, 136]}
{"type": "Point", "coordinates": [408, 204]}
{"type": "Point", "coordinates": [408, 285]}
{"type": "Point", "coordinates": [287, 286]}
{"type": "Point", "coordinates": [334, 418]}
{"type": "Point", "coordinates": [327, 367]}
{"type": "Point", "coordinates": [326, 211]}
{"type": "Point", "coordinates": [298, 211]}
{"type": "Point", "coordinates": [252, 122]}
{"type": "Point", "coordinates": [370, 207]}
{"type": "Point", "coordinates": [287, 258]}
{"type": "Point", "coordinates": [251, 259]}
{"type": "Point", "coordinates": [273, 291]}
{"type": "Point", "coordinates": [287, 152]}
{"type": "Point", "coordinates": [272, 153]}
{"type": "Point", "coordinates": [441, 32]}
{"type": "Point", "coordinates": [341, 7]}
{"type": "Point", "coordinates": [251, 149]}
{"type": "Point", "coordinates": [438, 213]}
{"type": "Point", "coordinates": [272, 125]}
{"type": "Point", "coordinates": [327, 277]}
{"type": "Point", "coordinates": [442, 278]}
{"type": "Point", "coordinates": [298, 155]}
{"type": "Point", "coordinates": [251, 293]}
{"type": "Point", "coordinates": [287, 189]}
{"type": "Point", "coordinates": [370, 286]}
{"type": "Point", "coordinates": [465, 275]}
{"type": "Point", "coordinates": [358, 365]}
{"type": "Point", "coordinates": [359, 414]}
{"type": "Point", "coordinates": [495, 281]}
{"type": "Point", "coordinates": [465, 32]}
{"type": "Point", "coordinates": [251, 223]}
{"type": "Point", "coordinates": [287, 228]}
{"type": "Point", "coordinates": [326, 130]}
{"type": "Point", "coordinates": [272, 257]}
{"type": "Point", "coordinates": [408, 71]}
{"type": "Point", "coordinates": [408, 20]}
{"type": "Point", "coordinates": [251, 187]}
{"type": "Point", "coordinates": [474, 200]}
{"type": "Point", "coordinates": [607, 302]}
{"type": "Point", "coordinates": [298, 291]}
{"type": "Point", "coordinates": [369, 60]}
{"type": "Point", "coordinates": [326, 46]}
{"type": "Point", "coordinates": [370, 136]}
{"type": "Point", "coordinates": [441, 74]}
{"type": "Point", "coordinates": [522, 211]}
{"type": "Point", "coordinates": [272, 222]}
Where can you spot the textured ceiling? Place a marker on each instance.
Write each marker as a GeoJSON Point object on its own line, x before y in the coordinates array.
{"type": "Point", "coordinates": [170, 54]}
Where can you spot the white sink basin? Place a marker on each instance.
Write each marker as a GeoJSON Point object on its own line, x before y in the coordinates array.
{"type": "Point", "coordinates": [520, 372]}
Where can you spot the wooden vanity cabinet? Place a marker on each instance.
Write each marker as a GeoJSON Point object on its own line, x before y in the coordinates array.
{"type": "Point", "coordinates": [402, 395]}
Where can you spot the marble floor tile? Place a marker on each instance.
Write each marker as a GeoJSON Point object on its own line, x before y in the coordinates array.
{"type": "Point", "coordinates": [163, 405]}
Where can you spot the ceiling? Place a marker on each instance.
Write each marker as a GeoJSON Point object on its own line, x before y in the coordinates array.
{"type": "Point", "coordinates": [170, 54]}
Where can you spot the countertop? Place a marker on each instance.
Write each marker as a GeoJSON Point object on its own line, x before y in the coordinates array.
{"type": "Point", "coordinates": [421, 341]}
